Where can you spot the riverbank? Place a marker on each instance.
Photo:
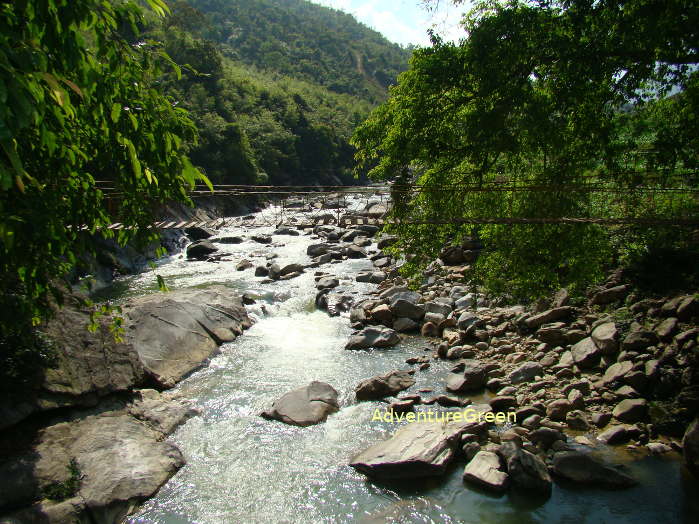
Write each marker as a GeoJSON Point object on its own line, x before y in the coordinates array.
{"type": "Point", "coordinates": [305, 293]}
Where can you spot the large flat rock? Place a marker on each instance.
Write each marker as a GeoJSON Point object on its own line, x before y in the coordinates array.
{"type": "Point", "coordinates": [418, 449]}
{"type": "Point", "coordinates": [111, 463]}
{"type": "Point", "coordinates": [176, 332]}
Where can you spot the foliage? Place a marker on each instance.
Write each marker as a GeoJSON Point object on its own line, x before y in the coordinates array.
{"type": "Point", "coordinates": [540, 103]}
{"type": "Point", "coordinates": [267, 120]}
{"type": "Point", "coordinates": [79, 104]}
{"type": "Point", "coordinates": [299, 39]}
{"type": "Point", "coordinates": [59, 491]}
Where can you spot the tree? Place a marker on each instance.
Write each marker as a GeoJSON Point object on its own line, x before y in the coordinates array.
{"type": "Point", "coordinates": [541, 94]}
{"type": "Point", "coordinates": [80, 104]}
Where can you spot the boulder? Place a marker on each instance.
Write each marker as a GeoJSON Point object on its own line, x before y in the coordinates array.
{"type": "Point", "coordinates": [617, 371]}
{"type": "Point", "coordinates": [618, 434]}
{"type": "Point", "coordinates": [201, 250]}
{"type": "Point", "coordinates": [609, 295]}
{"type": "Point", "coordinates": [327, 283]}
{"type": "Point", "coordinates": [174, 333]}
{"type": "Point", "coordinates": [378, 387]}
{"type": "Point", "coordinates": [108, 463]}
{"type": "Point", "coordinates": [373, 277]}
{"type": "Point", "coordinates": [373, 336]}
{"type": "Point", "coordinates": [485, 470]}
{"type": "Point", "coordinates": [243, 265]}
{"type": "Point", "coordinates": [548, 316]}
{"type": "Point", "coordinates": [631, 410]}
{"type": "Point", "coordinates": [415, 450]}
{"type": "Point", "coordinates": [305, 406]}
{"type": "Point", "coordinates": [639, 340]}
{"type": "Point", "coordinates": [688, 308]}
{"type": "Point", "coordinates": [581, 468]}
{"type": "Point", "coordinates": [315, 250]}
{"type": "Point", "coordinates": [354, 251]}
{"type": "Point", "coordinates": [261, 239]}
{"type": "Point", "coordinates": [690, 447]}
{"type": "Point", "coordinates": [526, 470]}
{"type": "Point", "coordinates": [286, 231]}
{"type": "Point", "coordinates": [585, 353]}
{"type": "Point", "coordinates": [227, 240]}
{"type": "Point", "coordinates": [405, 304]}
{"type": "Point", "coordinates": [88, 365]}
{"type": "Point", "coordinates": [198, 233]}
{"type": "Point", "coordinates": [526, 372]}
{"type": "Point", "coordinates": [290, 269]}
{"type": "Point", "coordinates": [606, 338]}
{"type": "Point", "coordinates": [472, 378]}
{"type": "Point", "coordinates": [545, 437]}
{"type": "Point", "coordinates": [558, 409]}
{"type": "Point", "coordinates": [403, 325]}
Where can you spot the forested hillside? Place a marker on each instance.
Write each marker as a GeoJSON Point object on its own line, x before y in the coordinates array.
{"type": "Point", "coordinates": [275, 87]}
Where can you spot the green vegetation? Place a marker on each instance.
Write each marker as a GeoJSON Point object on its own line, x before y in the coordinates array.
{"type": "Point", "coordinates": [544, 101]}
{"type": "Point", "coordinates": [267, 116]}
{"type": "Point", "coordinates": [59, 491]}
{"type": "Point", "coordinates": [79, 103]}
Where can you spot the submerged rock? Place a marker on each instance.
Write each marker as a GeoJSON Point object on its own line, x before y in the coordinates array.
{"type": "Point", "coordinates": [305, 406]}
{"type": "Point", "coordinates": [582, 468]}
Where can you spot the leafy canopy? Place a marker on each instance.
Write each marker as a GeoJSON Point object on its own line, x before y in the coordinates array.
{"type": "Point", "coordinates": [79, 102]}
{"type": "Point", "coordinates": [562, 95]}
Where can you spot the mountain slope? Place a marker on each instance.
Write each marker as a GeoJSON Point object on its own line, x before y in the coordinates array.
{"type": "Point", "coordinates": [305, 41]}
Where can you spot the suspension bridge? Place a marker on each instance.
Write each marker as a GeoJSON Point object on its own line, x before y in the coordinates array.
{"type": "Point", "coordinates": [308, 206]}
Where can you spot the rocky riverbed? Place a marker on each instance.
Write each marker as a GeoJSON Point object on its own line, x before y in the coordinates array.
{"type": "Point", "coordinates": [323, 382]}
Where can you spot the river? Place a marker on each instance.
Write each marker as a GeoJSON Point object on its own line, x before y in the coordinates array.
{"type": "Point", "coordinates": [243, 468]}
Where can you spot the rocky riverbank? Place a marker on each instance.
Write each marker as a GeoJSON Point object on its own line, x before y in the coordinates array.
{"type": "Point", "coordinates": [88, 442]}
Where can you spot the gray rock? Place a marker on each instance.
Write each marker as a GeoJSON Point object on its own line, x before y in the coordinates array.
{"type": "Point", "coordinates": [174, 333]}
{"type": "Point", "coordinates": [606, 338]}
{"type": "Point", "coordinates": [373, 336]}
{"type": "Point", "coordinates": [618, 434]}
{"type": "Point", "coordinates": [243, 265]}
{"type": "Point", "coordinates": [631, 410]}
{"type": "Point", "coordinates": [582, 468]}
{"type": "Point", "coordinates": [585, 353]}
{"type": "Point", "coordinates": [305, 406]}
{"type": "Point", "coordinates": [415, 450]}
{"type": "Point", "coordinates": [201, 250]}
{"type": "Point", "coordinates": [526, 372]}
{"type": "Point", "coordinates": [554, 334]}
{"type": "Point", "coordinates": [198, 233]}
{"type": "Point", "coordinates": [472, 378]}
{"type": "Point", "coordinates": [526, 470]}
{"type": "Point", "coordinates": [378, 387]}
{"type": "Point", "coordinates": [227, 240]}
{"type": "Point", "coordinates": [327, 283]}
{"type": "Point", "coordinates": [406, 305]}
{"type": "Point", "coordinates": [639, 340]}
{"type": "Point", "coordinates": [467, 320]}
{"type": "Point", "coordinates": [315, 250]}
{"type": "Point", "coordinates": [558, 409]}
{"type": "Point", "coordinates": [617, 371]}
{"type": "Point", "coordinates": [688, 308]}
{"type": "Point", "coordinates": [439, 308]}
{"type": "Point", "coordinates": [373, 277]}
{"type": "Point", "coordinates": [118, 461]}
{"type": "Point", "coordinates": [404, 324]}
{"type": "Point", "coordinates": [545, 437]}
{"type": "Point", "coordinates": [484, 470]}
{"type": "Point", "coordinates": [551, 315]}
{"type": "Point", "coordinates": [291, 268]}
{"type": "Point", "coordinates": [286, 231]}
{"type": "Point", "coordinates": [690, 447]}
{"type": "Point", "coordinates": [612, 294]}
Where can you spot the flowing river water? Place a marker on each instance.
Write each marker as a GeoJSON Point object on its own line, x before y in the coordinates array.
{"type": "Point", "coordinates": [242, 468]}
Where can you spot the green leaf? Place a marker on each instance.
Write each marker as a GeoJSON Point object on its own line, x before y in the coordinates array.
{"type": "Point", "coordinates": [116, 112]}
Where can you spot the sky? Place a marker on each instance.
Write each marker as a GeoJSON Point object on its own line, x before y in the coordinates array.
{"type": "Point", "coordinates": [404, 21]}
